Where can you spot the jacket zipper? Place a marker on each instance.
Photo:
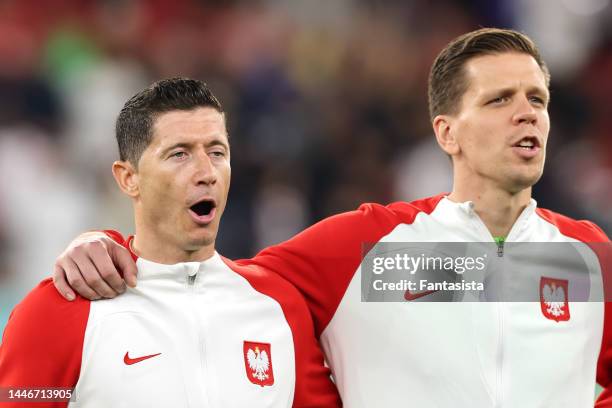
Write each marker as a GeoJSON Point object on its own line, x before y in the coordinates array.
{"type": "Point", "coordinates": [192, 295]}
{"type": "Point", "coordinates": [499, 381]}
{"type": "Point", "coordinates": [500, 312]}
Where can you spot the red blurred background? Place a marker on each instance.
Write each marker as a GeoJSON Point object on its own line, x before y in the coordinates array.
{"type": "Point", "coordinates": [326, 102]}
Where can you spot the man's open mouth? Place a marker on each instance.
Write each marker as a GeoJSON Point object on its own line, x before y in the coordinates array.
{"type": "Point", "coordinates": [528, 143]}
{"type": "Point", "coordinates": [203, 208]}
{"type": "Point", "coordinates": [203, 212]}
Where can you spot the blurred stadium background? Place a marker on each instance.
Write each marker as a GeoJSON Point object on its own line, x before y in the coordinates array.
{"type": "Point", "coordinates": [326, 101]}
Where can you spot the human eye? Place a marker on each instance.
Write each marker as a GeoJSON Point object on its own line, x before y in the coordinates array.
{"type": "Point", "coordinates": [537, 100]}
{"type": "Point", "coordinates": [498, 100]}
{"type": "Point", "coordinates": [178, 155]}
{"type": "Point", "coordinates": [218, 152]}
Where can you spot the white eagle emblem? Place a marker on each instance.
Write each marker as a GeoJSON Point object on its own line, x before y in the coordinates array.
{"type": "Point", "coordinates": [259, 362]}
{"type": "Point", "coordinates": [554, 295]}
{"type": "Point", "coordinates": [554, 298]}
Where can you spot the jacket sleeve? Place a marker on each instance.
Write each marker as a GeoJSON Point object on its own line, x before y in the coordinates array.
{"type": "Point", "coordinates": [604, 365]}
{"type": "Point", "coordinates": [322, 260]}
{"type": "Point", "coordinates": [313, 385]}
{"type": "Point", "coordinates": [42, 345]}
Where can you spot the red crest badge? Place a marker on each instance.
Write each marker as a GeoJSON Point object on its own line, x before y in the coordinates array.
{"type": "Point", "coordinates": [258, 363]}
{"type": "Point", "coordinates": [553, 299]}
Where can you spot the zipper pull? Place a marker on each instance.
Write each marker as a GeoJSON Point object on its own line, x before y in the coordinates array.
{"type": "Point", "coordinates": [192, 269]}
{"type": "Point", "coordinates": [191, 280]}
{"type": "Point", "coordinates": [500, 245]}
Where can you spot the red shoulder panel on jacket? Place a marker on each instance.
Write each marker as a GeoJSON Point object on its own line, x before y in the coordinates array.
{"type": "Point", "coordinates": [313, 387]}
{"type": "Point", "coordinates": [321, 261]}
{"type": "Point", "coordinates": [42, 344]}
{"type": "Point", "coordinates": [585, 231]}
{"type": "Point", "coordinates": [591, 234]}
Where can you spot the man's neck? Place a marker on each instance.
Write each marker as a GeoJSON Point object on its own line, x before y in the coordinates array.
{"type": "Point", "coordinates": [163, 251]}
{"type": "Point", "coordinates": [498, 209]}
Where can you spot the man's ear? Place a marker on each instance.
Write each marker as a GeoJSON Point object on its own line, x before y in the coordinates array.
{"type": "Point", "coordinates": [126, 177]}
{"type": "Point", "coordinates": [445, 134]}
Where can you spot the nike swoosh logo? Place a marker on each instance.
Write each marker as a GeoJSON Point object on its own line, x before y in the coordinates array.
{"type": "Point", "coordinates": [129, 361]}
{"type": "Point", "coordinates": [409, 296]}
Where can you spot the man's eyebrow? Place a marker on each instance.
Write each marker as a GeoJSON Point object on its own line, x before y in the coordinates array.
{"type": "Point", "coordinates": [501, 92]}
{"type": "Point", "coordinates": [217, 142]}
{"type": "Point", "coordinates": [538, 91]}
{"type": "Point", "coordinates": [188, 145]}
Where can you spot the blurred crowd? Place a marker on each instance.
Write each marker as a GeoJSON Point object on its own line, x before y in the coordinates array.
{"type": "Point", "coordinates": [326, 103]}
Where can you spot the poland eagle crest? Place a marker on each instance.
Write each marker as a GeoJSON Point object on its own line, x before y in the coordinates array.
{"type": "Point", "coordinates": [553, 299]}
{"type": "Point", "coordinates": [258, 363]}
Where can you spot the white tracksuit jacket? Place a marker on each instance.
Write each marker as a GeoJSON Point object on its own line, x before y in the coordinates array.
{"type": "Point", "coordinates": [194, 334]}
{"type": "Point", "coordinates": [455, 355]}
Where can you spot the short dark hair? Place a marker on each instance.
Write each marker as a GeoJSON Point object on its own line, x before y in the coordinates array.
{"type": "Point", "coordinates": [134, 127]}
{"type": "Point", "coordinates": [447, 79]}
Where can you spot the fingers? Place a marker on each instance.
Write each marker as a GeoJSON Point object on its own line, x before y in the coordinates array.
{"type": "Point", "coordinates": [122, 258]}
{"type": "Point", "coordinates": [103, 262]}
{"type": "Point", "coordinates": [92, 276]}
{"type": "Point", "coordinates": [59, 280]}
{"type": "Point", "coordinates": [76, 280]}
{"type": "Point", "coordinates": [90, 266]}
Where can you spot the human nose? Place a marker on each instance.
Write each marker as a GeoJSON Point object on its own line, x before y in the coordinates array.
{"type": "Point", "coordinates": [205, 172]}
{"type": "Point", "coordinates": [525, 113]}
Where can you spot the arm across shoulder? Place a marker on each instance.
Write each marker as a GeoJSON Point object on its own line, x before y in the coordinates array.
{"type": "Point", "coordinates": [96, 265]}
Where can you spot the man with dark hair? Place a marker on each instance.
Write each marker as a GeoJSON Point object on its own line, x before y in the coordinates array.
{"type": "Point", "coordinates": [489, 105]}
{"type": "Point", "coordinates": [136, 119]}
{"type": "Point", "coordinates": [200, 330]}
